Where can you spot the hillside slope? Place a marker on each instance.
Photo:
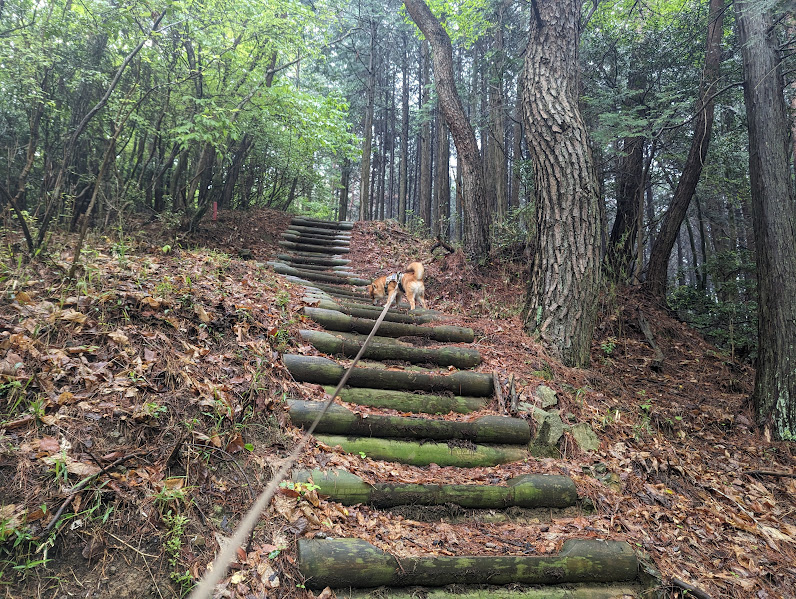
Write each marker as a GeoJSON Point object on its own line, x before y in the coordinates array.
{"type": "Point", "coordinates": [143, 407]}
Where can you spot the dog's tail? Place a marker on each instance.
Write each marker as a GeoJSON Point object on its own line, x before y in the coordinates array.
{"type": "Point", "coordinates": [417, 268]}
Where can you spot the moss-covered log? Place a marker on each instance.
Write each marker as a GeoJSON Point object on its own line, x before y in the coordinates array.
{"type": "Point", "coordinates": [372, 312]}
{"type": "Point", "coordinates": [331, 290]}
{"type": "Point", "coordinates": [337, 321]}
{"type": "Point", "coordinates": [315, 240]}
{"type": "Point", "coordinates": [284, 269]}
{"type": "Point", "coordinates": [418, 453]}
{"type": "Point", "coordinates": [386, 348]}
{"type": "Point", "coordinates": [405, 401]}
{"type": "Point", "coordinates": [344, 271]}
{"type": "Point", "coordinates": [313, 369]}
{"type": "Point", "coordinates": [339, 420]}
{"type": "Point", "coordinates": [302, 230]}
{"type": "Point", "coordinates": [526, 491]}
{"type": "Point", "coordinates": [318, 249]}
{"type": "Point", "coordinates": [322, 224]}
{"type": "Point", "coordinates": [358, 564]}
{"type": "Point", "coordinates": [569, 591]}
{"type": "Point", "coordinates": [317, 260]}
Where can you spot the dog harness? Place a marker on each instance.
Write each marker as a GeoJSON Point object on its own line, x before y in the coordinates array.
{"type": "Point", "coordinates": [397, 277]}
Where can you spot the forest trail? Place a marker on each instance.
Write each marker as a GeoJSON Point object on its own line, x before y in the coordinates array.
{"type": "Point", "coordinates": [422, 368]}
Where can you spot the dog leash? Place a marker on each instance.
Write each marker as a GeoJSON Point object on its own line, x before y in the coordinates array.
{"type": "Point", "coordinates": [214, 573]}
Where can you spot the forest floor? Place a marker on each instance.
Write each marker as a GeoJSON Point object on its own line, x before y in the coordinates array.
{"type": "Point", "coordinates": [142, 410]}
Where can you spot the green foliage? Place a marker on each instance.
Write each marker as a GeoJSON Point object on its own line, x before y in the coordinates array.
{"type": "Point", "coordinates": [726, 315]}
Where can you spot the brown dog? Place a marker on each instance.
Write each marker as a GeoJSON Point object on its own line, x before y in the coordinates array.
{"type": "Point", "coordinates": [409, 282]}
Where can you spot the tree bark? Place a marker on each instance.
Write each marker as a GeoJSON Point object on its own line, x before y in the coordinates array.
{"type": "Point", "coordinates": [403, 187]}
{"type": "Point", "coordinates": [658, 268]}
{"type": "Point", "coordinates": [476, 231]}
{"type": "Point", "coordinates": [561, 302]}
{"type": "Point", "coordinates": [774, 218]}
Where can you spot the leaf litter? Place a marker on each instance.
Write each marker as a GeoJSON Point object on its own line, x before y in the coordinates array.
{"type": "Point", "coordinates": [155, 381]}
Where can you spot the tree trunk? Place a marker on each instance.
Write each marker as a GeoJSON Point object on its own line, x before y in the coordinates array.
{"type": "Point", "coordinates": [561, 302]}
{"type": "Point", "coordinates": [476, 231]}
{"type": "Point", "coordinates": [424, 151]}
{"type": "Point", "coordinates": [367, 127]}
{"type": "Point", "coordinates": [442, 187]}
{"type": "Point", "coordinates": [402, 168]}
{"type": "Point", "coordinates": [496, 153]}
{"type": "Point", "coordinates": [658, 269]}
{"type": "Point", "coordinates": [774, 218]}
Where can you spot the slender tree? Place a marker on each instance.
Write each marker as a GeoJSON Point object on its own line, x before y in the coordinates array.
{"type": "Point", "coordinates": [474, 212]}
{"type": "Point", "coordinates": [657, 271]}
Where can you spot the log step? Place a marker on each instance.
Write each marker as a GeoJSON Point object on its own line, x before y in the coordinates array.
{"type": "Point", "coordinates": [386, 348]}
{"type": "Point", "coordinates": [313, 369]}
{"type": "Point", "coordinates": [306, 221]}
{"type": "Point", "coordinates": [405, 401]}
{"type": "Point", "coordinates": [333, 291]}
{"type": "Point", "coordinates": [316, 239]}
{"type": "Point", "coordinates": [419, 316]}
{"type": "Point", "coordinates": [339, 420]}
{"type": "Point", "coordinates": [420, 453]}
{"type": "Point", "coordinates": [570, 591]}
{"type": "Point", "coordinates": [316, 260]}
{"type": "Point", "coordinates": [354, 563]}
{"type": "Point", "coordinates": [310, 275]}
{"type": "Point", "coordinates": [337, 321]}
{"type": "Point", "coordinates": [302, 230]}
{"type": "Point", "coordinates": [317, 249]}
{"type": "Point", "coordinates": [526, 491]}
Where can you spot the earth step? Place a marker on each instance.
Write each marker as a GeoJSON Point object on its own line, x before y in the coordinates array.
{"type": "Point", "coordinates": [331, 290]}
{"type": "Point", "coordinates": [355, 563]}
{"type": "Point", "coordinates": [318, 249]}
{"type": "Point", "coordinates": [315, 240]}
{"type": "Point", "coordinates": [322, 224]}
{"type": "Point", "coordinates": [525, 491]}
{"type": "Point", "coordinates": [385, 348]}
{"type": "Point", "coordinates": [339, 420]}
{"type": "Point", "coordinates": [337, 321]}
{"type": "Point", "coordinates": [315, 260]}
{"type": "Point", "coordinates": [458, 454]}
{"type": "Point", "coordinates": [314, 369]}
{"type": "Point", "coordinates": [284, 269]}
{"type": "Point", "coordinates": [577, 591]}
{"type": "Point", "coordinates": [418, 316]}
{"type": "Point", "coordinates": [406, 401]}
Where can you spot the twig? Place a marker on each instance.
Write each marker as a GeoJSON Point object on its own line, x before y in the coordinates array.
{"type": "Point", "coordinates": [657, 364]}
{"type": "Point", "coordinates": [514, 401]}
{"type": "Point", "coordinates": [771, 473]}
{"type": "Point", "coordinates": [126, 544]}
{"type": "Point", "coordinates": [699, 593]}
{"type": "Point", "coordinates": [498, 392]}
{"type": "Point", "coordinates": [80, 486]}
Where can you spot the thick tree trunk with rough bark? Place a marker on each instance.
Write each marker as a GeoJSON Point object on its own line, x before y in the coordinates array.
{"type": "Point", "coordinates": [561, 303]}
{"type": "Point", "coordinates": [774, 218]}
{"type": "Point", "coordinates": [476, 232]}
{"type": "Point", "coordinates": [657, 271]}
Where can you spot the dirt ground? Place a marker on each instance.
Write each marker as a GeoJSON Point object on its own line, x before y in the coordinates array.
{"type": "Point", "coordinates": [142, 409]}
